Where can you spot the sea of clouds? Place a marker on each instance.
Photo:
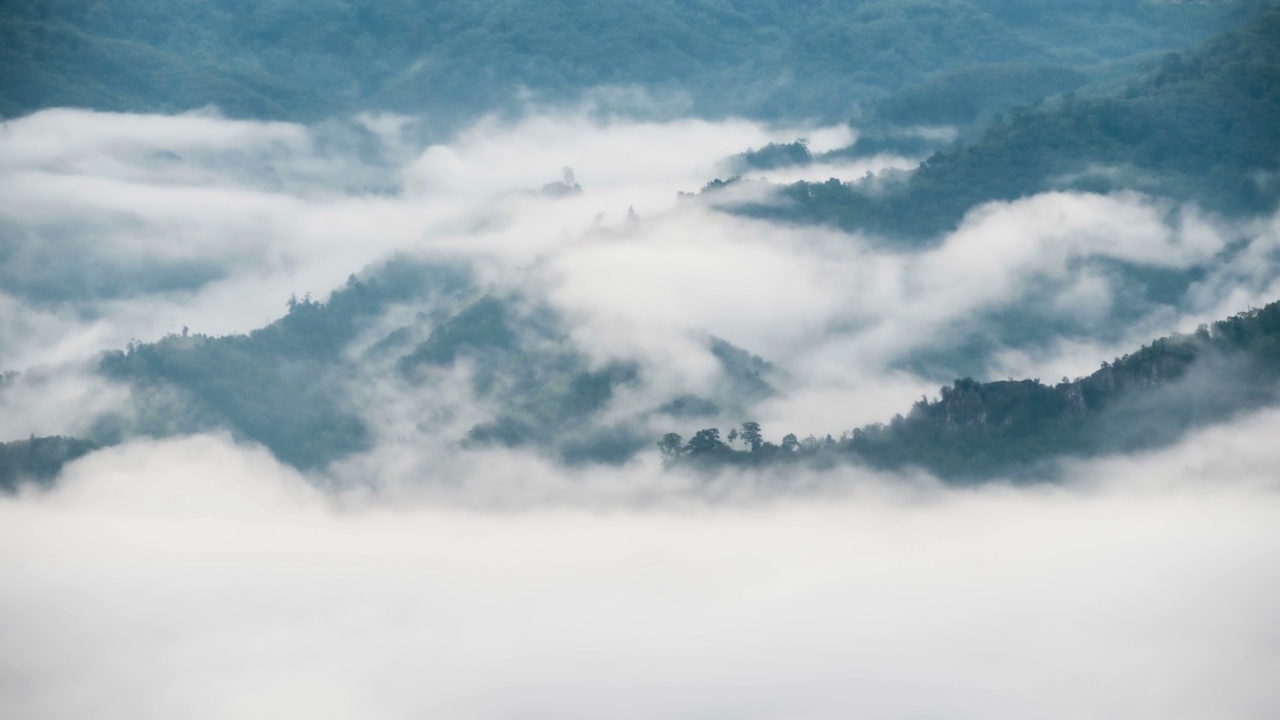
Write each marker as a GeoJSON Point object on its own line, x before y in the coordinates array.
{"type": "Point", "coordinates": [202, 579]}
{"type": "Point", "coordinates": [197, 577]}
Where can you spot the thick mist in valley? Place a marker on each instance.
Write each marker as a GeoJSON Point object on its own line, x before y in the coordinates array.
{"type": "Point", "coordinates": [396, 399]}
{"type": "Point", "coordinates": [202, 578]}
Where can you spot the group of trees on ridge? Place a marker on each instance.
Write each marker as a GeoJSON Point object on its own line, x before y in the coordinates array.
{"type": "Point", "coordinates": [39, 458]}
{"type": "Point", "coordinates": [977, 430]}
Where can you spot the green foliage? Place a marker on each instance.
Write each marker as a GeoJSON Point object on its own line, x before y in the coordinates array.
{"type": "Point", "coordinates": [481, 326]}
{"type": "Point", "coordinates": [456, 60]}
{"type": "Point", "coordinates": [542, 391]}
{"type": "Point", "coordinates": [976, 93]}
{"type": "Point", "coordinates": [745, 371]}
{"type": "Point", "coordinates": [549, 401]}
{"type": "Point", "coordinates": [672, 448]}
{"type": "Point", "coordinates": [591, 391]}
{"type": "Point", "coordinates": [280, 385]}
{"type": "Point", "coordinates": [289, 385]}
{"type": "Point", "coordinates": [39, 459]}
{"type": "Point", "coordinates": [1201, 126]}
{"type": "Point", "coordinates": [977, 431]}
{"type": "Point", "coordinates": [773, 156]}
{"type": "Point", "coordinates": [57, 64]}
{"type": "Point", "coordinates": [706, 446]}
{"type": "Point", "coordinates": [689, 406]}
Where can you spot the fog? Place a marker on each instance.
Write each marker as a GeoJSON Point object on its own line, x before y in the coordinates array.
{"type": "Point", "coordinates": [199, 577]}
{"type": "Point", "coordinates": [122, 227]}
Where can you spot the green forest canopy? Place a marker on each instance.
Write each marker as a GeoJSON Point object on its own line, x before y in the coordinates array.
{"type": "Point", "coordinates": [976, 431]}
{"type": "Point", "coordinates": [279, 386]}
{"type": "Point", "coordinates": [1202, 125]}
{"type": "Point", "coordinates": [301, 59]}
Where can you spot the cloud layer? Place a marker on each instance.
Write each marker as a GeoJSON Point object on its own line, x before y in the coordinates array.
{"type": "Point", "coordinates": [197, 577]}
{"type": "Point", "coordinates": [202, 579]}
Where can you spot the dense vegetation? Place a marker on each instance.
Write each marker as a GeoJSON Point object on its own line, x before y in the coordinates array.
{"type": "Point", "coordinates": [544, 392]}
{"type": "Point", "coordinates": [452, 60]}
{"type": "Point", "coordinates": [302, 385]}
{"type": "Point", "coordinates": [39, 459]}
{"type": "Point", "coordinates": [976, 430]}
{"type": "Point", "coordinates": [1202, 125]}
{"type": "Point", "coordinates": [290, 386]}
{"type": "Point", "coordinates": [280, 385]}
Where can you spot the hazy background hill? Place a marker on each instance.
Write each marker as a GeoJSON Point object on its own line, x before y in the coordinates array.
{"type": "Point", "coordinates": [813, 59]}
{"type": "Point", "coordinates": [1196, 125]}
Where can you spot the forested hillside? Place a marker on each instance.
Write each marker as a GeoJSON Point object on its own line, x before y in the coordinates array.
{"type": "Point", "coordinates": [1199, 125]}
{"type": "Point", "coordinates": [39, 459]}
{"type": "Point", "coordinates": [302, 386]}
{"type": "Point", "coordinates": [291, 387]}
{"type": "Point", "coordinates": [281, 385]}
{"type": "Point", "coordinates": [976, 430]}
{"type": "Point", "coordinates": [816, 59]}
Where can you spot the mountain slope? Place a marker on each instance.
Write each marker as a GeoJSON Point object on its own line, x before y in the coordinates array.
{"type": "Point", "coordinates": [451, 61]}
{"type": "Point", "coordinates": [288, 387]}
{"type": "Point", "coordinates": [977, 431]}
{"type": "Point", "coordinates": [1201, 126]}
{"type": "Point", "coordinates": [39, 459]}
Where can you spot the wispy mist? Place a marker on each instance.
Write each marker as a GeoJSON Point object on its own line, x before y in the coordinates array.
{"type": "Point", "coordinates": [150, 224]}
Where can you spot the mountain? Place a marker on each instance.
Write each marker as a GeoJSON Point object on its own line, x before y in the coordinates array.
{"type": "Point", "coordinates": [1014, 428]}
{"type": "Point", "coordinates": [295, 386]}
{"type": "Point", "coordinates": [299, 59]}
{"type": "Point", "coordinates": [1200, 126]}
{"type": "Point", "coordinates": [307, 385]}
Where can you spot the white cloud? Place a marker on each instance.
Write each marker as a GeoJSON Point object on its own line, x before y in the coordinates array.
{"type": "Point", "coordinates": [211, 224]}
{"type": "Point", "coordinates": [201, 579]}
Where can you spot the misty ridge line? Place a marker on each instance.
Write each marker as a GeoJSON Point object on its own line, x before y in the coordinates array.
{"type": "Point", "coordinates": [977, 430]}
{"type": "Point", "coordinates": [524, 362]}
{"type": "Point", "coordinates": [1198, 125]}
{"type": "Point", "coordinates": [973, 431]}
{"type": "Point", "coordinates": [316, 333]}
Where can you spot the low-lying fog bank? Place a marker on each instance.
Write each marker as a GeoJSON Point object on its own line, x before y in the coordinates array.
{"type": "Point", "coordinates": [202, 579]}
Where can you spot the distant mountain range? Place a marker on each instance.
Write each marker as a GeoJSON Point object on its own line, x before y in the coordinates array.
{"type": "Point", "coordinates": [453, 61]}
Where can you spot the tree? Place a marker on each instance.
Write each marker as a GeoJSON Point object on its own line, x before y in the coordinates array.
{"type": "Point", "coordinates": [790, 443]}
{"type": "Point", "coordinates": [671, 447]}
{"type": "Point", "coordinates": [751, 435]}
{"type": "Point", "coordinates": [706, 442]}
